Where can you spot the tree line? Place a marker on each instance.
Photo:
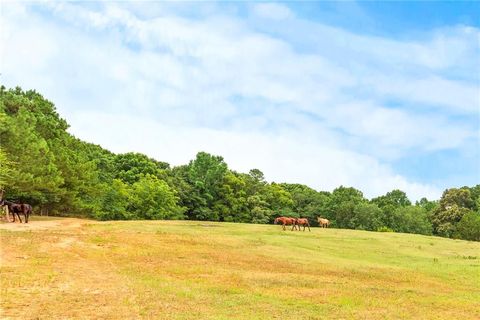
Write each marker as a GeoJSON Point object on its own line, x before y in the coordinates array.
{"type": "Point", "coordinates": [44, 165]}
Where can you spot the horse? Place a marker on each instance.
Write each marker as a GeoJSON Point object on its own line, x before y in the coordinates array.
{"type": "Point", "coordinates": [323, 222]}
{"type": "Point", "coordinates": [303, 222]}
{"type": "Point", "coordinates": [286, 221]}
{"type": "Point", "coordinates": [17, 208]}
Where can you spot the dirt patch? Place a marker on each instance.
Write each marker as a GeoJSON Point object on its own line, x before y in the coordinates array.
{"type": "Point", "coordinates": [67, 242]}
{"type": "Point", "coordinates": [60, 223]}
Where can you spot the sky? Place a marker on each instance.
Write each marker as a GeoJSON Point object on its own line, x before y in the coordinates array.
{"type": "Point", "coordinates": [373, 95]}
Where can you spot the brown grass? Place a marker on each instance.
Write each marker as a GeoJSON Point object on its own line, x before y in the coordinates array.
{"type": "Point", "coordinates": [79, 269]}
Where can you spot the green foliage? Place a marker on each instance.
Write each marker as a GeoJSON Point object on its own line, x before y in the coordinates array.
{"type": "Point", "coordinates": [115, 201]}
{"type": "Point", "coordinates": [367, 216]}
{"type": "Point", "coordinates": [278, 198]}
{"type": "Point", "coordinates": [411, 219]}
{"type": "Point", "coordinates": [341, 206]}
{"type": "Point", "coordinates": [475, 195]}
{"type": "Point", "coordinates": [232, 204]}
{"type": "Point", "coordinates": [429, 206]}
{"type": "Point", "coordinates": [205, 175]}
{"type": "Point", "coordinates": [35, 177]}
{"type": "Point", "coordinates": [308, 202]}
{"type": "Point", "coordinates": [469, 226]}
{"type": "Point", "coordinates": [152, 198]}
{"type": "Point", "coordinates": [454, 204]}
{"type": "Point", "coordinates": [389, 203]}
{"type": "Point", "coordinates": [6, 169]}
{"type": "Point", "coordinates": [396, 198]}
{"type": "Point", "coordinates": [131, 167]}
{"type": "Point", "coordinates": [385, 229]}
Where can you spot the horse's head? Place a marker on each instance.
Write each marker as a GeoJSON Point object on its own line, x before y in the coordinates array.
{"type": "Point", "coordinates": [275, 221]}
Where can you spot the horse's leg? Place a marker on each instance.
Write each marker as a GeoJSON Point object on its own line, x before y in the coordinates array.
{"type": "Point", "coordinates": [308, 225]}
{"type": "Point", "coordinates": [19, 218]}
{"type": "Point", "coordinates": [283, 225]}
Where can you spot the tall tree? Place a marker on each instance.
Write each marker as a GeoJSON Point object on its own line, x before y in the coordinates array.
{"type": "Point", "coordinates": [468, 227]}
{"type": "Point", "coordinates": [35, 177]}
{"type": "Point", "coordinates": [341, 206]}
{"type": "Point", "coordinates": [307, 202]}
{"type": "Point", "coordinates": [411, 219]}
{"type": "Point", "coordinates": [205, 174]}
{"type": "Point", "coordinates": [454, 204]}
{"type": "Point", "coordinates": [131, 167]}
{"type": "Point", "coordinates": [152, 198]}
{"type": "Point", "coordinates": [389, 203]}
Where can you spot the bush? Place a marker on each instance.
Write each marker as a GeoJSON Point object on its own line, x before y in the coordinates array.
{"type": "Point", "coordinates": [367, 217]}
{"type": "Point", "coordinates": [411, 219]}
{"type": "Point", "coordinates": [384, 229]}
{"type": "Point", "coordinates": [114, 202]}
{"type": "Point", "coordinates": [152, 198]}
{"type": "Point", "coordinates": [469, 227]}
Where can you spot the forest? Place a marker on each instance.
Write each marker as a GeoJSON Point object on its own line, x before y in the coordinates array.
{"type": "Point", "coordinates": [41, 163]}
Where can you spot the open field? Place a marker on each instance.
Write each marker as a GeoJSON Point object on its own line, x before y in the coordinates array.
{"type": "Point", "coordinates": [71, 268]}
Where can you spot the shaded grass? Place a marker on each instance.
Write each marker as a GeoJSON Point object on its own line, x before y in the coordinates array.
{"type": "Point", "coordinates": [205, 270]}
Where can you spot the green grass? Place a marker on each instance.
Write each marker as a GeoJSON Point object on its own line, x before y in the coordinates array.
{"type": "Point", "coordinates": [205, 270]}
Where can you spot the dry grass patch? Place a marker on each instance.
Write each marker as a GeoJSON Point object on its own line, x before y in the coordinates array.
{"type": "Point", "coordinates": [195, 270]}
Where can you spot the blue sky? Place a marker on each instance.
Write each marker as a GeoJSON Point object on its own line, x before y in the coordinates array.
{"type": "Point", "coordinates": [392, 18]}
{"type": "Point", "coordinates": [374, 95]}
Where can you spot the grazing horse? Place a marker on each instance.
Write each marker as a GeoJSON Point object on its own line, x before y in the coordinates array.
{"type": "Point", "coordinates": [285, 221]}
{"type": "Point", "coordinates": [303, 222]}
{"type": "Point", "coordinates": [323, 222]}
{"type": "Point", "coordinates": [18, 208]}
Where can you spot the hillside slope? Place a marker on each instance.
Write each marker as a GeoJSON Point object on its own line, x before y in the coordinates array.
{"type": "Point", "coordinates": [73, 268]}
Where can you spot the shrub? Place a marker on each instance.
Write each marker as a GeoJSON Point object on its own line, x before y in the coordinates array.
{"type": "Point", "coordinates": [469, 227]}
{"type": "Point", "coordinates": [384, 229]}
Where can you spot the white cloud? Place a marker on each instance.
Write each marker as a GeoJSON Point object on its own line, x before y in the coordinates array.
{"type": "Point", "coordinates": [281, 157]}
{"type": "Point", "coordinates": [220, 85]}
{"type": "Point", "coordinates": [272, 11]}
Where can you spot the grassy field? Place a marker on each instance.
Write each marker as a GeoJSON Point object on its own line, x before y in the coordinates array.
{"type": "Point", "coordinates": [81, 269]}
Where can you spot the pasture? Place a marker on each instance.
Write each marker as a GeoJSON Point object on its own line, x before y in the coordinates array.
{"type": "Point", "coordinates": [82, 269]}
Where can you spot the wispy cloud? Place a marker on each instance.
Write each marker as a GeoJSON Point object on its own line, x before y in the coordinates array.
{"type": "Point", "coordinates": [303, 101]}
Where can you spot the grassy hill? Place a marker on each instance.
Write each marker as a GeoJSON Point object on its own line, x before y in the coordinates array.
{"type": "Point", "coordinates": [71, 268]}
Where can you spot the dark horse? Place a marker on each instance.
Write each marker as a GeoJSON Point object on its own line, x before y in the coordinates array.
{"type": "Point", "coordinates": [17, 208]}
{"type": "Point", "coordinates": [303, 222]}
{"type": "Point", "coordinates": [285, 221]}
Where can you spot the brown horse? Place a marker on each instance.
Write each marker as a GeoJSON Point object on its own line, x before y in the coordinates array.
{"type": "Point", "coordinates": [17, 208]}
{"type": "Point", "coordinates": [324, 223]}
{"type": "Point", "coordinates": [303, 222]}
{"type": "Point", "coordinates": [286, 221]}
